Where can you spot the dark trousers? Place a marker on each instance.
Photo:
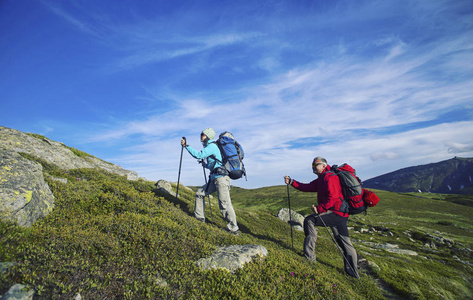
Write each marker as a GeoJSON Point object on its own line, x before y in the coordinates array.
{"type": "Point", "coordinates": [340, 232]}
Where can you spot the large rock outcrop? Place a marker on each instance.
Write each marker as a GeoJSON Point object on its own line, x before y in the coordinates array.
{"type": "Point", "coordinates": [24, 195]}
{"type": "Point", "coordinates": [55, 153]}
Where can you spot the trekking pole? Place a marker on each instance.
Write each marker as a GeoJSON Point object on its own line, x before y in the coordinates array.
{"type": "Point", "coordinates": [205, 177]}
{"type": "Point", "coordinates": [180, 164]}
{"type": "Point", "coordinates": [341, 251]}
{"type": "Point", "coordinates": [290, 215]}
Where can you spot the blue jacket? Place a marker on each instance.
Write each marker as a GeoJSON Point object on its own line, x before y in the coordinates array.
{"type": "Point", "coordinates": [210, 152]}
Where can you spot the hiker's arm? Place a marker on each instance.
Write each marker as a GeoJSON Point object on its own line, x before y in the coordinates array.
{"type": "Point", "coordinates": [204, 153]}
{"type": "Point", "coordinates": [305, 187]}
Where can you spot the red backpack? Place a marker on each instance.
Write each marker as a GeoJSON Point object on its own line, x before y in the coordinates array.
{"type": "Point", "coordinates": [370, 198]}
{"type": "Point", "coordinates": [356, 199]}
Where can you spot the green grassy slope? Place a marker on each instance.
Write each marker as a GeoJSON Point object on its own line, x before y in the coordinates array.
{"type": "Point", "coordinates": [110, 238]}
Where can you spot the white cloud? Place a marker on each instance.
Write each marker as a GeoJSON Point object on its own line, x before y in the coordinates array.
{"type": "Point", "coordinates": [384, 155]}
{"type": "Point", "coordinates": [459, 148]}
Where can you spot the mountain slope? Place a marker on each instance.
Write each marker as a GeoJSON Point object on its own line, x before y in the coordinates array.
{"type": "Point", "coordinates": [453, 176]}
{"type": "Point", "coordinates": [113, 238]}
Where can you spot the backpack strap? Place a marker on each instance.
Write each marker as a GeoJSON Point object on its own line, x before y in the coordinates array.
{"type": "Point", "coordinates": [218, 170]}
{"type": "Point", "coordinates": [213, 156]}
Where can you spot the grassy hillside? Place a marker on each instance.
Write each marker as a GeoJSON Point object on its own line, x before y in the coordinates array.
{"type": "Point", "coordinates": [110, 238]}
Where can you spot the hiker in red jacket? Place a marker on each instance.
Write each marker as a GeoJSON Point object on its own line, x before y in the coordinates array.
{"type": "Point", "coordinates": [326, 213]}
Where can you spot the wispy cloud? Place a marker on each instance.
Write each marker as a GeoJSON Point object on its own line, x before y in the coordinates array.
{"type": "Point", "coordinates": [78, 23]}
{"type": "Point", "coordinates": [152, 52]}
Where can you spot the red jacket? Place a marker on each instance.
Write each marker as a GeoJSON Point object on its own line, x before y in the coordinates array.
{"type": "Point", "coordinates": [329, 192]}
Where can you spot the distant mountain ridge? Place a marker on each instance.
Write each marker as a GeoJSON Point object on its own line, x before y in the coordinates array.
{"type": "Point", "coordinates": [452, 176]}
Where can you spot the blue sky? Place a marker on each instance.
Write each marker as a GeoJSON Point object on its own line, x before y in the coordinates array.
{"type": "Point", "coordinates": [381, 85]}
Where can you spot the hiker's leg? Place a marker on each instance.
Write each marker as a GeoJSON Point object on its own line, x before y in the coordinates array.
{"type": "Point", "coordinates": [310, 240]}
{"type": "Point", "coordinates": [311, 222]}
{"type": "Point", "coordinates": [350, 254]}
{"type": "Point", "coordinates": [341, 236]}
{"type": "Point", "coordinates": [225, 202]}
{"type": "Point", "coordinates": [202, 192]}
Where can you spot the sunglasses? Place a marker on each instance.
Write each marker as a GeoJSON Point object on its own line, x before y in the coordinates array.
{"type": "Point", "coordinates": [316, 164]}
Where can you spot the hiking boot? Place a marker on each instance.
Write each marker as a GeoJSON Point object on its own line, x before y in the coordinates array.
{"type": "Point", "coordinates": [311, 259]}
{"type": "Point", "coordinates": [201, 219]}
{"type": "Point", "coordinates": [236, 232]}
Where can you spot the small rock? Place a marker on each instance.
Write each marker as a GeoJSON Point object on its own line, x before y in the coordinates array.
{"type": "Point", "coordinates": [232, 257]}
{"type": "Point", "coordinates": [18, 292]}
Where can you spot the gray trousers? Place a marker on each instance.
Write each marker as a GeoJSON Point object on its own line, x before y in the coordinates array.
{"type": "Point", "coordinates": [339, 228]}
{"type": "Point", "coordinates": [222, 186]}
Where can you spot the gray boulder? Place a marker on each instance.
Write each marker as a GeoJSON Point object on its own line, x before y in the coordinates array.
{"type": "Point", "coordinates": [24, 196]}
{"type": "Point", "coordinates": [232, 257]}
{"type": "Point", "coordinates": [18, 292]}
{"type": "Point", "coordinates": [165, 186]}
{"type": "Point", "coordinates": [296, 218]}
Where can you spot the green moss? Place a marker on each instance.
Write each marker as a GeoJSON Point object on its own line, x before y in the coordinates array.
{"type": "Point", "coordinates": [28, 195]}
{"type": "Point", "coordinates": [38, 136]}
{"type": "Point", "coordinates": [79, 153]}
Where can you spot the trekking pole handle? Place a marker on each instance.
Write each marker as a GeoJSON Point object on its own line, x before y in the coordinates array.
{"type": "Point", "coordinates": [287, 180]}
{"type": "Point", "coordinates": [185, 141]}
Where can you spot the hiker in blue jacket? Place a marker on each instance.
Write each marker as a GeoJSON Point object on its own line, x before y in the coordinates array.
{"type": "Point", "coordinates": [218, 180]}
